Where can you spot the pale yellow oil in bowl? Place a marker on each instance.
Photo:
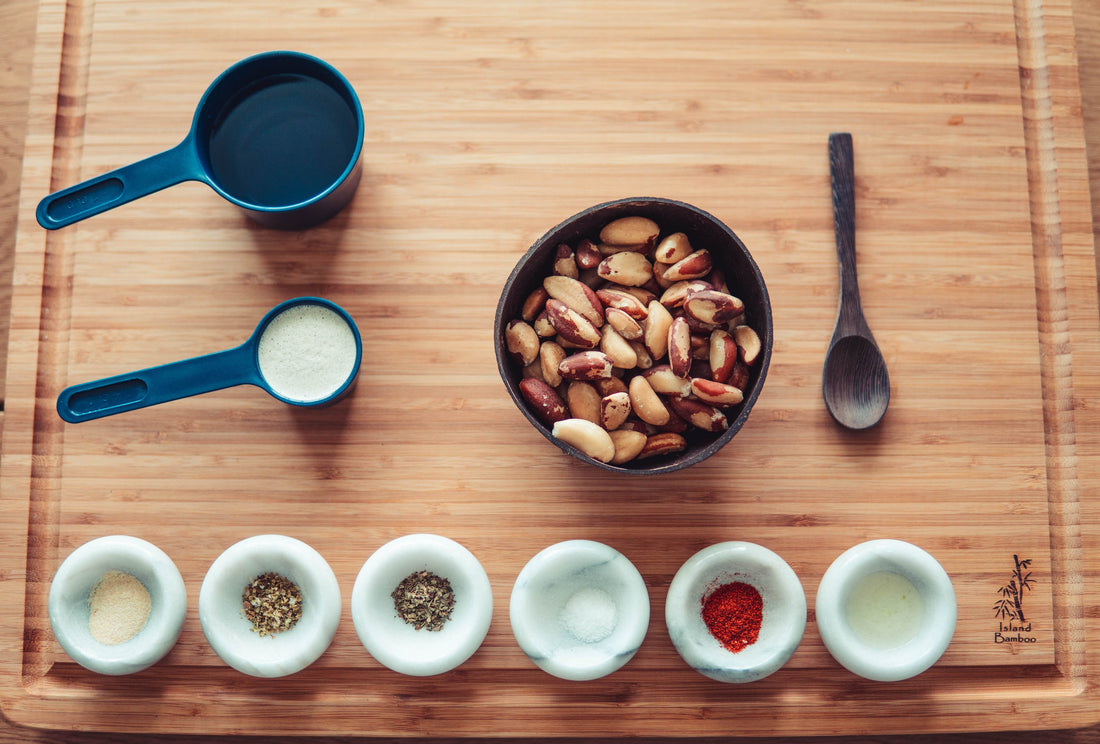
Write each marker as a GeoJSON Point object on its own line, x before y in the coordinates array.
{"type": "Point", "coordinates": [885, 610]}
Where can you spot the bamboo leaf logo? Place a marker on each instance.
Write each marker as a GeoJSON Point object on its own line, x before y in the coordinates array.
{"type": "Point", "coordinates": [1011, 604]}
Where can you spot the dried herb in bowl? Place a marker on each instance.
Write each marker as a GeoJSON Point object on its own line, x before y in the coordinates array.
{"type": "Point", "coordinates": [272, 603]}
{"type": "Point", "coordinates": [424, 600]}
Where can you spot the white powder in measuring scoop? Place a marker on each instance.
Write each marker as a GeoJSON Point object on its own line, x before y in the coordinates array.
{"type": "Point", "coordinates": [307, 352]}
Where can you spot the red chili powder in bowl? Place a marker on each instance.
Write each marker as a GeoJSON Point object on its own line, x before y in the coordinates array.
{"type": "Point", "coordinates": [733, 613]}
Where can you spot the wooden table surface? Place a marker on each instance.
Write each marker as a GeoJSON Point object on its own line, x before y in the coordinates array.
{"type": "Point", "coordinates": [17, 18]}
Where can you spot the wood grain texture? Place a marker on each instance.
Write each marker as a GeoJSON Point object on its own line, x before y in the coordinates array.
{"type": "Point", "coordinates": [17, 18]}
{"type": "Point", "coordinates": [500, 106]}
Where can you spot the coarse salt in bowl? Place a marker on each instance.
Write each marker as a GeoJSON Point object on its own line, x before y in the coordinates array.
{"type": "Point", "coordinates": [232, 635]}
{"type": "Point", "coordinates": [579, 610]}
{"type": "Point", "coordinates": [783, 619]}
{"type": "Point", "coordinates": [70, 605]}
{"type": "Point", "coordinates": [396, 643]}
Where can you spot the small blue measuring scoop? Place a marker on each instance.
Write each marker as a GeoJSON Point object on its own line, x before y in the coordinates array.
{"type": "Point", "coordinates": [305, 352]}
{"type": "Point", "coordinates": [279, 134]}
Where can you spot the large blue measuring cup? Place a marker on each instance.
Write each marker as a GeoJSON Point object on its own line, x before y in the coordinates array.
{"type": "Point", "coordinates": [279, 134]}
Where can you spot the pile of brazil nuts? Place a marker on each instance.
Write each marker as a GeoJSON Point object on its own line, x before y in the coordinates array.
{"type": "Point", "coordinates": [631, 343]}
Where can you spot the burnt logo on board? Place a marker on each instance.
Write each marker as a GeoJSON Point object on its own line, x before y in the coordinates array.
{"type": "Point", "coordinates": [1013, 623]}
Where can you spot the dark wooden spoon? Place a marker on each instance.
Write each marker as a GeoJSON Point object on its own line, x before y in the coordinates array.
{"type": "Point", "coordinates": [854, 382]}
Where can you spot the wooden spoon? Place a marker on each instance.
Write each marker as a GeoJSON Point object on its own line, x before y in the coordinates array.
{"type": "Point", "coordinates": [855, 383]}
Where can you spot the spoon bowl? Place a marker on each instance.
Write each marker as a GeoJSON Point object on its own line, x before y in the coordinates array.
{"type": "Point", "coordinates": [856, 384]}
{"type": "Point", "coordinates": [854, 381]}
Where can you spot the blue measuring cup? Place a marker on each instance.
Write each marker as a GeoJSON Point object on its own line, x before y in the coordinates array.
{"type": "Point", "coordinates": [279, 134]}
{"type": "Point", "coordinates": [305, 352]}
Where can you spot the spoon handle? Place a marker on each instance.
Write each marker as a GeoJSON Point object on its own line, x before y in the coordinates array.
{"type": "Point", "coordinates": [148, 387]}
{"type": "Point", "coordinates": [842, 170]}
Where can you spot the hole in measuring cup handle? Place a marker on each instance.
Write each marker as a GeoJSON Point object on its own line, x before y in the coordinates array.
{"type": "Point", "coordinates": [123, 392]}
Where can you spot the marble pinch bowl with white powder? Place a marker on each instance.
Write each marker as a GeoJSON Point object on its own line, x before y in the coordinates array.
{"type": "Point", "coordinates": [886, 610]}
{"type": "Point", "coordinates": [395, 643]}
{"type": "Point", "coordinates": [304, 352]}
{"type": "Point", "coordinates": [579, 610]}
{"type": "Point", "coordinates": [234, 637]}
{"type": "Point", "coordinates": [117, 642]}
{"type": "Point", "coordinates": [782, 624]}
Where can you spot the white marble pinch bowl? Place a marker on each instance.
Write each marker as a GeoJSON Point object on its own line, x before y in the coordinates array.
{"type": "Point", "coordinates": [395, 643]}
{"type": "Point", "coordinates": [69, 603]}
{"type": "Point", "coordinates": [937, 624]}
{"type": "Point", "coordinates": [230, 633]}
{"type": "Point", "coordinates": [784, 613]}
{"type": "Point", "coordinates": [543, 591]}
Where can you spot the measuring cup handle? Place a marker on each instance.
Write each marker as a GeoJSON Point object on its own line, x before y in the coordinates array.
{"type": "Point", "coordinates": [148, 387]}
{"type": "Point", "coordinates": [120, 186]}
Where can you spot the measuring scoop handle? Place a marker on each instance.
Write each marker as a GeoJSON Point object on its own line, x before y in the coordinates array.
{"type": "Point", "coordinates": [148, 387]}
{"type": "Point", "coordinates": [110, 190]}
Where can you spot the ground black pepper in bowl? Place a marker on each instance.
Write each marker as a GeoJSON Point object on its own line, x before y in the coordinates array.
{"type": "Point", "coordinates": [424, 600]}
{"type": "Point", "coordinates": [416, 582]}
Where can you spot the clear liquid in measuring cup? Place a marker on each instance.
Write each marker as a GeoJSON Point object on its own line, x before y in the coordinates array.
{"type": "Point", "coordinates": [282, 141]}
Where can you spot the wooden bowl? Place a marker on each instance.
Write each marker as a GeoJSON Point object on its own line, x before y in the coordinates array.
{"type": "Point", "coordinates": [705, 231]}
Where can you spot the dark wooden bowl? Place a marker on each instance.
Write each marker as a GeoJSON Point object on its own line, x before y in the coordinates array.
{"type": "Point", "coordinates": [705, 231]}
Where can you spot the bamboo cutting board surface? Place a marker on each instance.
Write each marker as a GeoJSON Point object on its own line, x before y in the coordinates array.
{"type": "Point", "coordinates": [485, 127]}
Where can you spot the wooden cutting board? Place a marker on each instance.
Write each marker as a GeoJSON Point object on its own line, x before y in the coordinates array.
{"type": "Point", "coordinates": [486, 125]}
